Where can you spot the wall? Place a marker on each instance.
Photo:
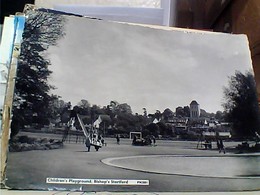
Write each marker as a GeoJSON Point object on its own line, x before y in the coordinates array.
{"type": "Point", "coordinates": [229, 16]}
{"type": "Point", "coordinates": [243, 17]}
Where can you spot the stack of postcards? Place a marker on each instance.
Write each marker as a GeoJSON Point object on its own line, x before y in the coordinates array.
{"type": "Point", "coordinates": [94, 105]}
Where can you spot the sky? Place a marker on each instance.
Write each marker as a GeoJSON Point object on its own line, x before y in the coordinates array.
{"type": "Point", "coordinates": [147, 68]}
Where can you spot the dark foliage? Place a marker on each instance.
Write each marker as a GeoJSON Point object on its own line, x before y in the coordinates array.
{"type": "Point", "coordinates": [241, 105]}
{"type": "Point", "coordinates": [32, 96]}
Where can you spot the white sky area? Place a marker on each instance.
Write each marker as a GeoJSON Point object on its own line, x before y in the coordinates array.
{"type": "Point", "coordinates": [157, 69]}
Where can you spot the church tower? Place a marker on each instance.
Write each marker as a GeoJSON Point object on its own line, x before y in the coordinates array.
{"type": "Point", "coordinates": [194, 109]}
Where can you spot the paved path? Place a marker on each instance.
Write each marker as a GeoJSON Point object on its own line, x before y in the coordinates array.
{"type": "Point", "coordinates": [228, 166]}
{"type": "Point", "coordinates": [30, 169]}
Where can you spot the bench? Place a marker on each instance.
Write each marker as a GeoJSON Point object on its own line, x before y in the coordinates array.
{"type": "Point", "coordinates": [207, 145]}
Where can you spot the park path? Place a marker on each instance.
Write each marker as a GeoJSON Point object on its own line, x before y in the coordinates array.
{"type": "Point", "coordinates": [29, 170]}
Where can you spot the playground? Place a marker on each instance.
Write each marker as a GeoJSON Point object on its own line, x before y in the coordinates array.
{"type": "Point", "coordinates": [171, 166]}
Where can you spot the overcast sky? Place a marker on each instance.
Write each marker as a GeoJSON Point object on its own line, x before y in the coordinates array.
{"type": "Point", "coordinates": [157, 69]}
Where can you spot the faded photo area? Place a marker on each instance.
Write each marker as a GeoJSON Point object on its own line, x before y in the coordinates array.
{"type": "Point", "coordinates": [106, 106]}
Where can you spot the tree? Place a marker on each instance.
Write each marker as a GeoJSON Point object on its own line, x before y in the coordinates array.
{"type": "Point", "coordinates": [220, 116]}
{"type": "Point", "coordinates": [84, 106]}
{"type": "Point", "coordinates": [164, 129]}
{"type": "Point", "coordinates": [125, 108]}
{"type": "Point", "coordinates": [56, 106]}
{"type": "Point", "coordinates": [145, 112]}
{"type": "Point", "coordinates": [153, 129]}
{"type": "Point", "coordinates": [182, 111]}
{"type": "Point", "coordinates": [32, 97]}
{"type": "Point", "coordinates": [158, 115]}
{"type": "Point", "coordinates": [241, 105]}
{"type": "Point", "coordinates": [179, 111]}
{"type": "Point", "coordinates": [186, 110]}
{"type": "Point", "coordinates": [204, 113]}
{"type": "Point", "coordinates": [113, 105]}
{"type": "Point", "coordinates": [167, 114]}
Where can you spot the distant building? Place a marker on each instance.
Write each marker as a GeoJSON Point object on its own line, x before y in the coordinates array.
{"type": "Point", "coordinates": [194, 110]}
{"type": "Point", "coordinates": [102, 119]}
{"type": "Point", "coordinates": [155, 121]}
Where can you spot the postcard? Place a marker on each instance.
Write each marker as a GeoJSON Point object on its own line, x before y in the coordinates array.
{"type": "Point", "coordinates": [106, 106]}
{"type": "Point", "coordinates": [5, 57]}
{"type": "Point", "coordinates": [10, 48]}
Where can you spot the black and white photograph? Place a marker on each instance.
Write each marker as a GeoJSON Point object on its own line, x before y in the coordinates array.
{"type": "Point", "coordinates": [108, 106]}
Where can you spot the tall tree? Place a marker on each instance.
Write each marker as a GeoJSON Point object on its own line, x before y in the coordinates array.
{"type": "Point", "coordinates": [145, 112]}
{"type": "Point", "coordinates": [186, 110]}
{"type": "Point", "coordinates": [179, 111]}
{"type": "Point", "coordinates": [56, 106]}
{"type": "Point", "coordinates": [241, 104]}
{"type": "Point", "coordinates": [220, 116]}
{"type": "Point", "coordinates": [125, 108]}
{"type": "Point", "coordinates": [167, 114]}
{"type": "Point", "coordinates": [32, 88]}
{"type": "Point", "coordinates": [84, 106]}
{"type": "Point", "coordinates": [158, 115]}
